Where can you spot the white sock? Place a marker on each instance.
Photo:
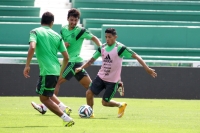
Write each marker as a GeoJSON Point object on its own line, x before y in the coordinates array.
{"type": "Point", "coordinates": [44, 107]}
{"type": "Point", "coordinates": [120, 104]}
{"type": "Point", "coordinates": [62, 106]}
{"type": "Point", "coordinates": [65, 117]}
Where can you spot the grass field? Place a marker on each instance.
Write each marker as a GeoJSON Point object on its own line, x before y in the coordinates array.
{"type": "Point", "coordinates": [141, 116]}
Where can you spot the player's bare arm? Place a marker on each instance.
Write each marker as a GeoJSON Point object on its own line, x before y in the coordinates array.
{"type": "Point", "coordinates": [148, 70]}
{"type": "Point", "coordinates": [96, 41]}
{"type": "Point", "coordinates": [29, 58]}
{"type": "Point", "coordinates": [67, 44]}
{"type": "Point", "coordinates": [87, 64]}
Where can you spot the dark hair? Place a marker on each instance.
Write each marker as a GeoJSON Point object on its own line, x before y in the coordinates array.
{"type": "Point", "coordinates": [74, 12]}
{"type": "Point", "coordinates": [111, 31]}
{"type": "Point", "coordinates": [47, 18]}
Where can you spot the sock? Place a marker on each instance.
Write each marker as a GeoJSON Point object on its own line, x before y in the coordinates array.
{"type": "Point", "coordinates": [120, 104]}
{"type": "Point", "coordinates": [44, 107]}
{"type": "Point", "coordinates": [65, 117]}
{"type": "Point", "coordinates": [62, 106]}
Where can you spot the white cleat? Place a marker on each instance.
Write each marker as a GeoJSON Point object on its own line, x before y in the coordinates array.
{"type": "Point", "coordinates": [39, 108]}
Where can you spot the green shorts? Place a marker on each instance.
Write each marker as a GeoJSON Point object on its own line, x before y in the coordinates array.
{"type": "Point", "coordinates": [46, 85]}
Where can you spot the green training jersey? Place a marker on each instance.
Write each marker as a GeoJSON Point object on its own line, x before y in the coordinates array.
{"type": "Point", "coordinates": [127, 53]}
{"type": "Point", "coordinates": [48, 43]}
{"type": "Point", "coordinates": [75, 46]}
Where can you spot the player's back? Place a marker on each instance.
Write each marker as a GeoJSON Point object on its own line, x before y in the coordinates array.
{"type": "Point", "coordinates": [47, 45]}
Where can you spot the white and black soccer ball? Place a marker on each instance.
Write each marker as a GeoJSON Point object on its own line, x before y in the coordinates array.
{"type": "Point", "coordinates": [85, 111]}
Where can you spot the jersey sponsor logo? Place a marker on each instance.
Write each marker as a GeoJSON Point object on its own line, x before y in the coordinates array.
{"type": "Point", "coordinates": [107, 59]}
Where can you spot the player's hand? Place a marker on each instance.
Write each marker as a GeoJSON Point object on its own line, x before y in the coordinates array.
{"type": "Point", "coordinates": [152, 72]}
{"type": "Point", "coordinates": [78, 70]}
{"type": "Point", "coordinates": [26, 72]}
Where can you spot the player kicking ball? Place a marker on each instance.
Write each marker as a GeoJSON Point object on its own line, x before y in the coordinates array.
{"type": "Point", "coordinates": [109, 75]}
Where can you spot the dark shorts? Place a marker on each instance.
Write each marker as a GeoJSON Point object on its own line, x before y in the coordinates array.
{"type": "Point", "coordinates": [69, 71]}
{"type": "Point", "coordinates": [46, 85]}
{"type": "Point", "coordinates": [98, 85]}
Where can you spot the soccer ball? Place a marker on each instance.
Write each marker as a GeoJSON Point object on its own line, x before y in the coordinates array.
{"type": "Point", "coordinates": [85, 111]}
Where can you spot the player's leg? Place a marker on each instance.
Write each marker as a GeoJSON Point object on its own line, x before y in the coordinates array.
{"type": "Point", "coordinates": [109, 94]}
{"type": "Point", "coordinates": [60, 81]}
{"type": "Point", "coordinates": [67, 75]}
{"type": "Point", "coordinates": [67, 121]}
{"type": "Point", "coordinates": [46, 91]}
{"type": "Point", "coordinates": [82, 77]}
{"type": "Point", "coordinates": [39, 107]}
{"type": "Point", "coordinates": [120, 88]}
{"type": "Point", "coordinates": [90, 98]}
{"type": "Point", "coordinates": [111, 89]}
{"type": "Point", "coordinates": [85, 81]}
{"type": "Point", "coordinates": [95, 88]}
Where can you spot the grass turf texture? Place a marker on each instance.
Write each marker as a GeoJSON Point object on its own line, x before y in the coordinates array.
{"type": "Point", "coordinates": [141, 116]}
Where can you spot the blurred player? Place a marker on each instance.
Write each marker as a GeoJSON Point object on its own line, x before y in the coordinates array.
{"type": "Point", "coordinates": [112, 53]}
{"type": "Point", "coordinates": [46, 43]}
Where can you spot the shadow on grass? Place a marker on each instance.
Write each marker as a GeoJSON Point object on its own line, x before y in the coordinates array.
{"type": "Point", "coordinates": [29, 127]}
{"type": "Point", "coordinates": [92, 118]}
{"type": "Point", "coordinates": [44, 115]}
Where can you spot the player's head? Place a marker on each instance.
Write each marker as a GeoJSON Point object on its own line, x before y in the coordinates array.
{"type": "Point", "coordinates": [73, 17]}
{"type": "Point", "coordinates": [47, 19]}
{"type": "Point", "coordinates": [111, 36]}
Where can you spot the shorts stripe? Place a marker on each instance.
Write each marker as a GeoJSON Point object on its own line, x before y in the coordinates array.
{"type": "Point", "coordinates": [68, 70]}
{"type": "Point", "coordinates": [115, 89]}
{"type": "Point", "coordinates": [49, 89]}
{"type": "Point", "coordinates": [73, 72]}
{"type": "Point", "coordinates": [42, 85]}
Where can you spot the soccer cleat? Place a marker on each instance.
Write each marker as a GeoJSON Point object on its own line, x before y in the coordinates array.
{"type": "Point", "coordinates": [121, 110]}
{"type": "Point", "coordinates": [39, 108]}
{"type": "Point", "coordinates": [92, 116]}
{"type": "Point", "coordinates": [121, 88]}
{"type": "Point", "coordinates": [68, 111]}
{"type": "Point", "coordinates": [68, 124]}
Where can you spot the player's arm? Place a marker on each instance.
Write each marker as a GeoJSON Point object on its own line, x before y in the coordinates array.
{"type": "Point", "coordinates": [96, 55]}
{"type": "Point", "coordinates": [90, 36]}
{"type": "Point", "coordinates": [67, 44]}
{"type": "Point", "coordinates": [87, 64]}
{"type": "Point", "coordinates": [96, 41]}
{"type": "Point", "coordinates": [30, 53]}
{"type": "Point", "coordinates": [32, 42]}
{"type": "Point", "coordinates": [65, 55]}
{"type": "Point", "coordinates": [147, 69]}
{"type": "Point", "coordinates": [128, 53]}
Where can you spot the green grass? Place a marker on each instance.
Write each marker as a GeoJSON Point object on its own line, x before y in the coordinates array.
{"type": "Point", "coordinates": [141, 116]}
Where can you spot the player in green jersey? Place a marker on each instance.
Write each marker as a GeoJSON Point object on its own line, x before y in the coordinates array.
{"type": "Point", "coordinates": [46, 43]}
{"type": "Point", "coordinates": [73, 37]}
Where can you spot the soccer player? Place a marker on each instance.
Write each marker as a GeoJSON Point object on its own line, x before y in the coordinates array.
{"type": "Point", "coordinates": [46, 43]}
{"type": "Point", "coordinates": [112, 53]}
{"type": "Point", "coordinates": [73, 37]}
